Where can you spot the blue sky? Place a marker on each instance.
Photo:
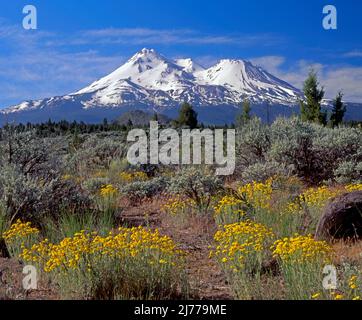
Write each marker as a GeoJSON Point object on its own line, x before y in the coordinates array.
{"type": "Point", "coordinates": [79, 41]}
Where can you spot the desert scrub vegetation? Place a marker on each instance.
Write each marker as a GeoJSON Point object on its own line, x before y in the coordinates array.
{"type": "Point", "coordinates": [292, 147]}
{"type": "Point", "coordinates": [139, 191]}
{"type": "Point", "coordinates": [129, 263]}
{"type": "Point", "coordinates": [264, 233]}
{"type": "Point", "coordinates": [180, 210]}
{"type": "Point", "coordinates": [197, 184]}
{"type": "Point", "coordinates": [301, 260]}
{"type": "Point", "coordinates": [65, 200]}
{"type": "Point", "coordinates": [241, 249]}
{"type": "Point", "coordinates": [243, 202]}
{"type": "Point", "coordinates": [124, 263]}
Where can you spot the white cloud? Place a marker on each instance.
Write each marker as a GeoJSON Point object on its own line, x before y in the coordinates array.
{"type": "Point", "coordinates": [43, 74]}
{"type": "Point", "coordinates": [37, 66]}
{"type": "Point", "coordinates": [333, 78]}
{"type": "Point", "coordinates": [31, 69]}
{"type": "Point", "coordinates": [145, 36]}
{"type": "Point", "coordinates": [269, 63]}
{"type": "Point", "coordinates": [347, 79]}
{"type": "Point", "coordinates": [353, 54]}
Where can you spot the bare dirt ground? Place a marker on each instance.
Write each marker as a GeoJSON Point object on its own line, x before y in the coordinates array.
{"type": "Point", "coordinates": [11, 287]}
{"type": "Point", "coordinates": [195, 236]}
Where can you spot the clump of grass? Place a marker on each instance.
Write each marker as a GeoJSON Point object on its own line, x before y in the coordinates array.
{"type": "Point", "coordinates": [180, 210]}
{"type": "Point", "coordinates": [4, 221]}
{"type": "Point", "coordinates": [69, 223]}
{"type": "Point", "coordinates": [107, 199]}
{"type": "Point", "coordinates": [230, 209]}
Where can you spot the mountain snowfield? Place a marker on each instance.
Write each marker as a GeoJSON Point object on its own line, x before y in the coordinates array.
{"type": "Point", "coordinates": [154, 80]}
{"type": "Point", "coordinates": [151, 82]}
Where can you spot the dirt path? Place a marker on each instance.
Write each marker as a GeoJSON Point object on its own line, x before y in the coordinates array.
{"type": "Point", "coordinates": [206, 279]}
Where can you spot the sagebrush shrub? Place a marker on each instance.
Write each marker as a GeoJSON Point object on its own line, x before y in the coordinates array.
{"type": "Point", "coordinates": [291, 146]}
{"type": "Point", "coordinates": [196, 184]}
{"type": "Point", "coordinates": [139, 190]}
{"type": "Point", "coordinates": [31, 183]}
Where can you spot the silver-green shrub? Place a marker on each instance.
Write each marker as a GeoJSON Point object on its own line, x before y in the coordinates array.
{"type": "Point", "coordinates": [31, 183]}
{"type": "Point", "coordinates": [140, 190]}
{"type": "Point", "coordinates": [313, 152]}
{"type": "Point", "coordinates": [196, 183]}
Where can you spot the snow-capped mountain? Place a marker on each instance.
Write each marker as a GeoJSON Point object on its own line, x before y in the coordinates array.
{"type": "Point", "coordinates": [156, 80]}
{"type": "Point", "coordinates": [152, 80]}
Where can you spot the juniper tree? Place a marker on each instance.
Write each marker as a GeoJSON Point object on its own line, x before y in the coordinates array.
{"type": "Point", "coordinates": [155, 117]}
{"type": "Point", "coordinates": [311, 108]}
{"type": "Point", "coordinates": [187, 116]}
{"type": "Point", "coordinates": [338, 112]}
{"type": "Point", "coordinates": [129, 123]}
{"type": "Point", "coordinates": [244, 117]}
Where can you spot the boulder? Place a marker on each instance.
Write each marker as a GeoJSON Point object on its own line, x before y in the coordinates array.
{"type": "Point", "coordinates": [342, 218]}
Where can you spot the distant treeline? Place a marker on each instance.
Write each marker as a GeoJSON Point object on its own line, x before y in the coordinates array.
{"type": "Point", "coordinates": [51, 128]}
{"type": "Point", "coordinates": [65, 127]}
{"type": "Point", "coordinates": [187, 118]}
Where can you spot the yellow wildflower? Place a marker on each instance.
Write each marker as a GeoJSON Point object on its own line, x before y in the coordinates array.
{"type": "Point", "coordinates": [300, 249]}
{"type": "Point", "coordinates": [316, 296]}
{"type": "Point", "coordinates": [108, 191]}
{"type": "Point", "coordinates": [19, 230]}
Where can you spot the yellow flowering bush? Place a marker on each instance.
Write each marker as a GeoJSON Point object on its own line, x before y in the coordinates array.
{"type": "Point", "coordinates": [349, 284]}
{"type": "Point", "coordinates": [347, 291]}
{"type": "Point", "coordinates": [179, 210]}
{"type": "Point", "coordinates": [19, 230]}
{"type": "Point", "coordinates": [108, 191]}
{"type": "Point", "coordinates": [67, 177]}
{"type": "Point", "coordinates": [300, 249]}
{"type": "Point", "coordinates": [128, 177]}
{"type": "Point", "coordinates": [355, 289]}
{"type": "Point", "coordinates": [354, 187]}
{"type": "Point", "coordinates": [19, 235]}
{"type": "Point", "coordinates": [258, 194]}
{"type": "Point", "coordinates": [352, 282]}
{"type": "Point", "coordinates": [68, 254]}
{"type": "Point", "coordinates": [107, 201]}
{"type": "Point", "coordinates": [252, 197]}
{"type": "Point", "coordinates": [309, 205]}
{"type": "Point", "coordinates": [313, 200]}
{"type": "Point", "coordinates": [302, 260]}
{"type": "Point", "coordinates": [236, 241]}
{"type": "Point", "coordinates": [317, 198]}
{"type": "Point", "coordinates": [140, 263]}
{"type": "Point", "coordinates": [230, 209]}
{"type": "Point", "coordinates": [241, 249]}
{"type": "Point", "coordinates": [178, 205]}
